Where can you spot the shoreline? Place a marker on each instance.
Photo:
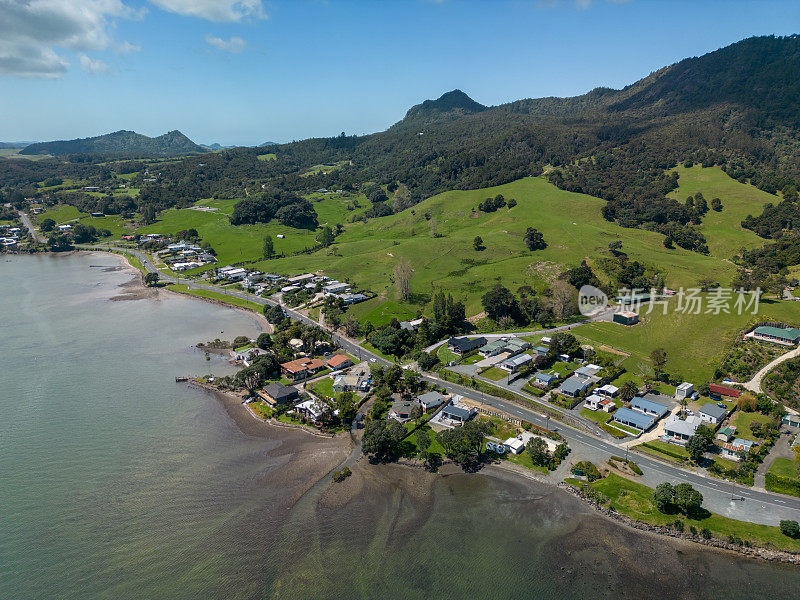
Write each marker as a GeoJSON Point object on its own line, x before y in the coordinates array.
{"type": "Point", "coordinates": [248, 423]}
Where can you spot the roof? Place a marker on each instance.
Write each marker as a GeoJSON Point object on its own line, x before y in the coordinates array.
{"type": "Point", "coordinates": [611, 389]}
{"type": "Point", "coordinates": [402, 407]}
{"type": "Point", "coordinates": [546, 377]}
{"type": "Point", "coordinates": [339, 359]}
{"type": "Point", "coordinates": [712, 410]}
{"type": "Point", "coordinates": [683, 427]}
{"type": "Point", "coordinates": [519, 359]}
{"type": "Point", "coordinates": [787, 333]}
{"type": "Point", "coordinates": [431, 399]}
{"type": "Point", "coordinates": [638, 419]}
{"type": "Point", "coordinates": [574, 384]}
{"type": "Point", "coordinates": [738, 444]}
{"type": "Point", "coordinates": [457, 411]}
{"type": "Point", "coordinates": [278, 391]}
{"type": "Point", "coordinates": [315, 408]}
{"type": "Point", "coordinates": [724, 390]}
{"type": "Point", "coordinates": [729, 431]}
{"type": "Point", "coordinates": [465, 342]}
{"type": "Point", "coordinates": [302, 364]}
{"type": "Point", "coordinates": [588, 370]}
{"type": "Point", "coordinates": [495, 345]}
{"type": "Point", "coordinates": [685, 386]}
{"type": "Point", "coordinates": [514, 443]}
{"type": "Point", "coordinates": [516, 344]}
{"type": "Point", "coordinates": [542, 349]}
{"type": "Point", "coordinates": [649, 405]}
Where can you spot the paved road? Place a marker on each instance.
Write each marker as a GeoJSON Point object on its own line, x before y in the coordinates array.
{"type": "Point", "coordinates": [26, 220]}
{"type": "Point", "coordinates": [754, 385]}
{"type": "Point", "coordinates": [720, 496]}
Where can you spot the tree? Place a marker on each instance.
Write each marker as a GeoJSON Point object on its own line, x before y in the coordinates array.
{"type": "Point", "coordinates": [663, 496]}
{"type": "Point", "coordinates": [615, 247]}
{"type": "Point", "coordinates": [716, 205]}
{"type": "Point", "coordinates": [790, 529]}
{"type": "Point", "coordinates": [500, 302]}
{"type": "Point", "coordinates": [511, 203]}
{"type": "Point", "coordinates": [264, 341]}
{"type": "Point", "coordinates": [534, 240]}
{"type": "Point", "coordinates": [269, 248]}
{"type": "Point", "coordinates": [463, 443]}
{"type": "Point", "coordinates": [427, 360]}
{"type": "Point", "coordinates": [659, 359]}
{"type": "Point", "coordinates": [326, 236]}
{"type": "Point", "coordinates": [537, 449]}
{"type": "Point", "coordinates": [564, 299]}
{"type": "Point", "coordinates": [346, 405]}
{"type": "Point", "coordinates": [669, 243]}
{"type": "Point", "coordinates": [628, 391]}
{"type": "Point", "coordinates": [477, 243]}
{"type": "Point", "coordinates": [151, 278]}
{"type": "Point", "coordinates": [402, 278]}
{"type": "Point", "coordinates": [688, 499]}
{"type": "Point", "coordinates": [47, 225]}
{"type": "Point", "coordinates": [148, 214]}
{"type": "Point", "coordinates": [381, 438]}
{"type": "Point", "coordinates": [696, 447]}
{"type": "Point", "coordinates": [274, 313]}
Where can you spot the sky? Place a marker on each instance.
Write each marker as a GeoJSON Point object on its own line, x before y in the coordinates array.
{"type": "Point", "coordinates": [242, 72]}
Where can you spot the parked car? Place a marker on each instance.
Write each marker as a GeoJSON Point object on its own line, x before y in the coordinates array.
{"type": "Point", "coordinates": [721, 405]}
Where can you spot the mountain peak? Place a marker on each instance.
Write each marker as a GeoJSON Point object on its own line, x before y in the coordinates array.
{"type": "Point", "coordinates": [449, 105]}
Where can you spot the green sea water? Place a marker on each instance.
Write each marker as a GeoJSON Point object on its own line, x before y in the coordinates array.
{"type": "Point", "coordinates": [116, 482]}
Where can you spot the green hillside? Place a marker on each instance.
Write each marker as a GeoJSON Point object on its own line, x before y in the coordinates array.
{"type": "Point", "coordinates": [571, 223]}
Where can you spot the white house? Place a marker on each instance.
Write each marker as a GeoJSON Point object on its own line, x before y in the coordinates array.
{"type": "Point", "coordinates": [596, 402]}
{"type": "Point", "coordinates": [679, 431]}
{"type": "Point", "coordinates": [608, 390]}
{"type": "Point", "coordinates": [712, 413]}
{"type": "Point", "coordinates": [684, 390]}
{"type": "Point", "coordinates": [731, 449]}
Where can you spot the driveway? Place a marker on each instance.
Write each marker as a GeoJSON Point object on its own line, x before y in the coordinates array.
{"type": "Point", "coordinates": [754, 385]}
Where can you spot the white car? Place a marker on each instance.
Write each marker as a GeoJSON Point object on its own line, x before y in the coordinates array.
{"type": "Point", "coordinates": [373, 360]}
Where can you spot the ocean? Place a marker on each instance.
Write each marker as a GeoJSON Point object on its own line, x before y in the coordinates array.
{"type": "Point", "coordinates": [117, 482]}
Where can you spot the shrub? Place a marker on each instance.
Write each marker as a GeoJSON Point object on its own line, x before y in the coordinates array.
{"type": "Point", "coordinates": [341, 474]}
{"type": "Point", "coordinates": [790, 529]}
{"type": "Point", "coordinates": [705, 532]}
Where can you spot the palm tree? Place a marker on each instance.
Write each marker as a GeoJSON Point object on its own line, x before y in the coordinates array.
{"type": "Point", "coordinates": [628, 391]}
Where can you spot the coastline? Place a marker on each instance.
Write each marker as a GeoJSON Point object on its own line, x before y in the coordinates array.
{"type": "Point", "coordinates": [307, 468]}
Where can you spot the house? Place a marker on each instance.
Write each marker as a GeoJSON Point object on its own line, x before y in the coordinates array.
{"type": "Point", "coordinates": [649, 407]}
{"type": "Point", "coordinates": [511, 345]}
{"type": "Point", "coordinates": [679, 431]}
{"type": "Point", "coordinates": [791, 420]}
{"type": "Point", "coordinates": [301, 278]}
{"type": "Point", "coordinates": [711, 413]}
{"type": "Point", "coordinates": [401, 410]}
{"type": "Point", "coordinates": [721, 390]}
{"type": "Point", "coordinates": [411, 325]}
{"type": "Point", "coordinates": [575, 386]}
{"type": "Point", "coordinates": [544, 379]}
{"type": "Point", "coordinates": [595, 402]}
{"type": "Point", "coordinates": [457, 414]}
{"type": "Point", "coordinates": [339, 361]}
{"type": "Point", "coordinates": [462, 345]}
{"type": "Point", "coordinates": [513, 364]}
{"type": "Point", "coordinates": [546, 341]}
{"type": "Point", "coordinates": [312, 410]}
{"type": "Point", "coordinates": [788, 336]}
{"type": "Point", "coordinates": [295, 344]}
{"type": "Point", "coordinates": [353, 298]}
{"type": "Point", "coordinates": [589, 370]}
{"type": "Point", "coordinates": [492, 348]}
{"type": "Point", "coordinates": [541, 350]}
{"type": "Point", "coordinates": [277, 393]}
{"type": "Point", "coordinates": [625, 317]}
{"type": "Point", "coordinates": [527, 436]}
{"type": "Point", "coordinates": [514, 445]}
{"type": "Point", "coordinates": [289, 288]}
{"type": "Point", "coordinates": [684, 390]}
{"type": "Point", "coordinates": [335, 288]}
{"type": "Point", "coordinates": [301, 368]}
{"type": "Point", "coordinates": [731, 450]}
{"type": "Point", "coordinates": [64, 227]}
{"type": "Point", "coordinates": [351, 382]}
{"type": "Point", "coordinates": [726, 434]}
{"type": "Point", "coordinates": [430, 400]}
{"type": "Point", "coordinates": [634, 419]}
{"type": "Point", "coordinates": [607, 390]}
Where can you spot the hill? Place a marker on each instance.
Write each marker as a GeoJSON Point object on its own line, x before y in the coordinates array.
{"type": "Point", "coordinates": [450, 105]}
{"type": "Point", "coordinates": [127, 143]}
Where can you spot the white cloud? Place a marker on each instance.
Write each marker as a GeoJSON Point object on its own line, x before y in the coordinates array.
{"type": "Point", "coordinates": [233, 45]}
{"type": "Point", "coordinates": [128, 48]}
{"type": "Point", "coordinates": [93, 66]}
{"type": "Point", "coordinates": [31, 31]}
{"type": "Point", "coordinates": [215, 10]}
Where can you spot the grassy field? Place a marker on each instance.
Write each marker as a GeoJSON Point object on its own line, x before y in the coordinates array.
{"type": "Point", "coordinates": [742, 420]}
{"type": "Point", "coordinates": [723, 230]}
{"type": "Point", "coordinates": [61, 213]}
{"type": "Point", "coordinates": [494, 374]}
{"type": "Point", "coordinates": [695, 343]}
{"type": "Point", "coordinates": [571, 223]}
{"type": "Point", "coordinates": [636, 501]}
{"type": "Point", "coordinates": [379, 311]}
{"type": "Point", "coordinates": [785, 467]}
{"type": "Point", "coordinates": [179, 287]}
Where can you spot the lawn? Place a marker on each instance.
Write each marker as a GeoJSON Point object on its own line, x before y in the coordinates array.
{"type": "Point", "coordinates": [495, 374]}
{"type": "Point", "coordinates": [379, 311]}
{"type": "Point", "coordinates": [598, 416]}
{"type": "Point", "coordinates": [324, 388]}
{"type": "Point", "coordinates": [61, 213]}
{"type": "Point", "coordinates": [785, 467]}
{"type": "Point", "coordinates": [636, 501]}
{"type": "Point", "coordinates": [742, 420]}
{"type": "Point", "coordinates": [669, 452]}
{"type": "Point", "coordinates": [524, 459]}
{"type": "Point", "coordinates": [446, 356]}
{"type": "Point", "coordinates": [241, 303]}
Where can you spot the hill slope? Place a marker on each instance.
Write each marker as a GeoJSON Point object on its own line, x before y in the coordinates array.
{"type": "Point", "coordinates": [173, 143]}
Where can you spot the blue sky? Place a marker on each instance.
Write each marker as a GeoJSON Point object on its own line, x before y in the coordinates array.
{"type": "Point", "coordinates": [248, 71]}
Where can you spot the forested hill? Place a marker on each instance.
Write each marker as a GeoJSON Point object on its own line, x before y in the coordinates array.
{"type": "Point", "coordinates": [127, 143]}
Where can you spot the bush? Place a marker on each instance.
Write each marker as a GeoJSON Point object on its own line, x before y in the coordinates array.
{"type": "Point", "coordinates": [706, 533]}
{"type": "Point", "coordinates": [341, 474]}
{"type": "Point", "coordinates": [790, 529]}
{"type": "Point", "coordinates": [588, 469]}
